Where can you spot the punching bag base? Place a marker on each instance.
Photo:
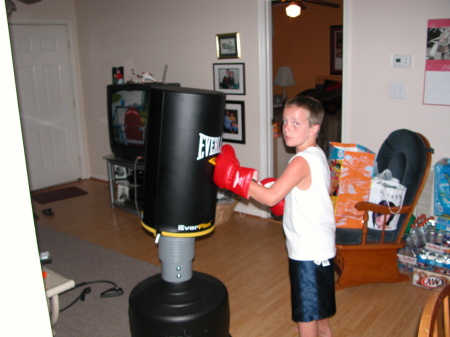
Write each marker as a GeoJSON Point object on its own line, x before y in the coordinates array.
{"type": "Point", "coordinates": [194, 308]}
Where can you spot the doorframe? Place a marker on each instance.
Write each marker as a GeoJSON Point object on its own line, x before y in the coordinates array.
{"type": "Point", "coordinates": [80, 131]}
{"type": "Point", "coordinates": [265, 87]}
{"type": "Point", "coordinates": [266, 82]}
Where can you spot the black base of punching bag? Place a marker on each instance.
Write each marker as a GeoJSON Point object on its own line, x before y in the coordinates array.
{"type": "Point", "coordinates": [195, 308]}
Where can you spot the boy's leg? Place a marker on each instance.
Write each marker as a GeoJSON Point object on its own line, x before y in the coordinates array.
{"type": "Point", "coordinates": [320, 328]}
{"type": "Point", "coordinates": [307, 329]}
{"type": "Point", "coordinates": [323, 328]}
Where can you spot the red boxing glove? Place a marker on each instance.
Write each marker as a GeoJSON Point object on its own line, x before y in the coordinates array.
{"type": "Point", "coordinates": [278, 209]}
{"type": "Point", "coordinates": [229, 175]}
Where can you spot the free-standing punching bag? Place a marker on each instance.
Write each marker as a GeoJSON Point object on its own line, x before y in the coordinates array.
{"type": "Point", "coordinates": [183, 138]}
{"type": "Point", "coordinates": [184, 134]}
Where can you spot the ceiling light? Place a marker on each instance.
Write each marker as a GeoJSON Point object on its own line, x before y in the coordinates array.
{"type": "Point", "coordinates": [293, 10]}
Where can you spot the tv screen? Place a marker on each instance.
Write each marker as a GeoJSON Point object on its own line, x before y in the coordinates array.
{"type": "Point", "coordinates": [128, 109]}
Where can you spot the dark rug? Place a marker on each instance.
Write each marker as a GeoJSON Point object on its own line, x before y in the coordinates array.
{"type": "Point", "coordinates": [85, 262]}
{"type": "Point", "coordinates": [56, 195]}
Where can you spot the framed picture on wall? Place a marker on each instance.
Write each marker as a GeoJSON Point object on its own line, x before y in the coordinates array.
{"type": "Point", "coordinates": [229, 78]}
{"type": "Point", "coordinates": [336, 46]}
{"type": "Point", "coordinates": [228, 46]}
{"type": "Point", "coordinates": [234, 122]}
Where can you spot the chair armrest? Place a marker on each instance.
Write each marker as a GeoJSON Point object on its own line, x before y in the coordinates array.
{"type": "Point", "coordinates": [370, 206]}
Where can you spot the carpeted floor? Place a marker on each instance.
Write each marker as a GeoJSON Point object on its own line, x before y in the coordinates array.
{"type": "Point", "coordinates": [85, 262]}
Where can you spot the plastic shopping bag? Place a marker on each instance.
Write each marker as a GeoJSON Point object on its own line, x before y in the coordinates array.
{"type": "Point", "coordinates": [386, 191]}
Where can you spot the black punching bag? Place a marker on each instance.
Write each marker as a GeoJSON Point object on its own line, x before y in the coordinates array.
{"type": "Point", "coordinates": [184, 136]}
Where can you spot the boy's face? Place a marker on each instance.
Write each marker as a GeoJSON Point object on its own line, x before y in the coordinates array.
{"type": "Point", "coordinates": [296, 130]}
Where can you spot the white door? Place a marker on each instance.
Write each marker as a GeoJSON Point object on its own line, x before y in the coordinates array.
{"type": "Point", "coordinates": [46, 102]}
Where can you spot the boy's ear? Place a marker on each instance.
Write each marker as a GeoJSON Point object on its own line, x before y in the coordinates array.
{"type": "Point", "coordinates": [315, 129]}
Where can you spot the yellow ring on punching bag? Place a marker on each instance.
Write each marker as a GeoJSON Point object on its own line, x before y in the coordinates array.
{"type": "Point", "coordinates": [178, 235]}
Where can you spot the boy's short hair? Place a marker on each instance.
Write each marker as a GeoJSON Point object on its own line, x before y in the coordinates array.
{"type": "Point", "coordinates": [315, 109]}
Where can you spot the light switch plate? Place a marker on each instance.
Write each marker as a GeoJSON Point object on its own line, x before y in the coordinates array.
{"type": "Point", "coordinates": [397, 90]}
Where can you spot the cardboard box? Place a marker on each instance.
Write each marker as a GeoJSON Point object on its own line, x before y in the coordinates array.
{"type": "Point", "coordinates": [405, 268]}
{"type": "Point", "coordinates": [437, 248]}
{"type": "Point", "coordinates": [443, 223]}
{"type": "Point", "coordinates": [442, 187]}
{"type": "Point", "coordinates": [406, 259]}
{"type": "Point", "coordinates": [406, 263]}
{"type": "Point", "coordinates": [429, 279]}
{"type": "Point", "coordinates": [351, 167]}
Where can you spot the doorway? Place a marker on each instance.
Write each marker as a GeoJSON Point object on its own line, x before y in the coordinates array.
{"type": "Point", "coordinates": [43, 72]}
{"type": "Point", "coordinates": [303, 44]}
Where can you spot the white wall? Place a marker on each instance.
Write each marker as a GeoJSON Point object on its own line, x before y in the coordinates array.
{"type": "Point", "coordinates": [378, 30]}
{"type": "Point", "coordinates": [146, 35]}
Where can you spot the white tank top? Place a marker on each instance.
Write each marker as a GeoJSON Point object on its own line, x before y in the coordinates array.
{"type": "Point", "coordinates": [308, 219]}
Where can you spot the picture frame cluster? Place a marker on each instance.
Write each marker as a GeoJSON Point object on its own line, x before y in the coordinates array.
{"type": "Point", "coordinates": [229, 78]}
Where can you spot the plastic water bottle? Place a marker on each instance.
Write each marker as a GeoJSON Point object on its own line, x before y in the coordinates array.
{"type": "Point", "coordinates": [439, 238]}
{"type": "Point", "coordinates": [421, 237]}
{"type": "Point", "coordinates": [414, 237]}
{"type": "Point", "coordinates": [431, 234]}
{"type": "Point", "coordinates": [410, 248]}
{"type": "Point", "coordinates": [422, 258]}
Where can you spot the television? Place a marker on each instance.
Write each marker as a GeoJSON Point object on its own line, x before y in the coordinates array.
{"type": "Point", "coordinates": [128, 109]}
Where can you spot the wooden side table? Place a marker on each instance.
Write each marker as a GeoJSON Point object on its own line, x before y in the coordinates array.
{"type": "Point", "coordinates": [55, 284]}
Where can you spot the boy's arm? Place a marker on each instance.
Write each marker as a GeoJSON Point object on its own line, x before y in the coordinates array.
{"type": "Point", "coordinates": [278, 209]}
{"type": "Point", "coordinates": [296, 174]}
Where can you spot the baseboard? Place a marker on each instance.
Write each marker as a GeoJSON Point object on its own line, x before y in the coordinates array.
{"type": "Point", "coordinates": [251, 209]}
{"type": "Point", "coordinates": [425, 204]}
{"type": "Point", "coordinates": [99, 177]}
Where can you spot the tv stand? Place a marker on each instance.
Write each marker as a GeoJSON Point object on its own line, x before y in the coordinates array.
{"type": "Point", "coordinates": [122, 191]}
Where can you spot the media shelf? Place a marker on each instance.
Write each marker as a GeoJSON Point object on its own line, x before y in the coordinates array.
{"type": "Point", "coordinates": [122, 175]}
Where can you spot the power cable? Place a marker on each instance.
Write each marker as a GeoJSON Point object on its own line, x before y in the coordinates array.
{"type": "Point", "coordinates": [115, 291]}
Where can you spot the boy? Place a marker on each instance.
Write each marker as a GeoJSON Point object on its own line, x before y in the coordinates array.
{"type": "Point", "coordinates": [308, 220]}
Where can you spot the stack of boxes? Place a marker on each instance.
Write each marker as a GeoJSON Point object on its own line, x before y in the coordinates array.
{"type": "Point", "coordinates": [427, 251]}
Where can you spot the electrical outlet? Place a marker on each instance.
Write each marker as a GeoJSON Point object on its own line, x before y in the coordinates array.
{"type": "Point", "coordinates": [397, 90]}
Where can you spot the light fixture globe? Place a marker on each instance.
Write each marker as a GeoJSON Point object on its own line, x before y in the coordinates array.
{"type": "Point", "coordinates": [293, 10]}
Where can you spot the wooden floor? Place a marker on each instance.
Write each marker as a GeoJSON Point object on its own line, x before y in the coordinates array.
{"type": "Point", "coordinates": [248, 255]}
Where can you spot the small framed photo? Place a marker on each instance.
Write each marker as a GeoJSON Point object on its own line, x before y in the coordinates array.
{"type": "Point", "coordinates": [336, 49]}
{"type": "Point", "coordinates": [120, 172]}
{"type": "Point", "coordinates": [117, 75]}
{"type": "Point", "coordinates": [234, 122]}
{"type": "Point", "coordinates": [123, 193]}
{"type": "Point", "coordinates": [229, 78]}
{"type": "Point", "coordinates": [228, 46]}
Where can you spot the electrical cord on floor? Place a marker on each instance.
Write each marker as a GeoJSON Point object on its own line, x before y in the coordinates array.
{"type": "Point", "coordinates": [115, 291]}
